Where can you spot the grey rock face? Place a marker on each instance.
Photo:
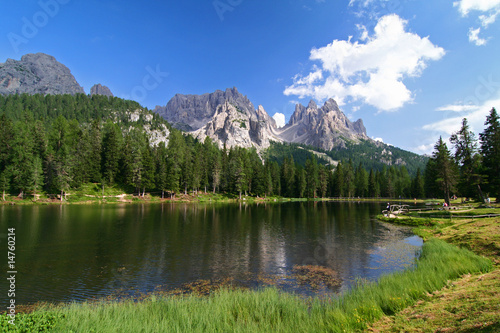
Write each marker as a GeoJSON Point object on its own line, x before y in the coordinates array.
{"type": "Point", "coordinates": [233, 127]}
{"type": "Point", "coordinates": [230, 118]}
{"type": "Point", "coordinates": [99, 89]}
{"type": "Point", "coordinates": [191, 112]}
{"type": "Point", "coordinates": [326, 127]}
{"type": "Point", "coordinates": [37, 74]}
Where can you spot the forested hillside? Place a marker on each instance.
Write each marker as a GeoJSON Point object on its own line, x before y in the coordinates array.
{"type": "Point", "coordinates": [51, 145]}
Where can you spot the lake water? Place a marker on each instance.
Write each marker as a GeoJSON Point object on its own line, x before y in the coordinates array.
{"type": "Point", "coordinates": [75, 253]}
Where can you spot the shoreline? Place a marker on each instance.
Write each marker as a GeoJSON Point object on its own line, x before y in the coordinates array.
{"type": "Point", "coordinates": [189, 198]}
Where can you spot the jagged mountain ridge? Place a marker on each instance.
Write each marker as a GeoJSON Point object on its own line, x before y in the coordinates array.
{"type": "Point", "coordinates": [191, 112]}
{"type": "Point", "coordinates": [37, 74]}
{"type": "Point", "coordinates": [232, 127]}
{"type": "Point", "coordinates": [230, 118]}
{"type": "Point", "coordinates": [326, 127]}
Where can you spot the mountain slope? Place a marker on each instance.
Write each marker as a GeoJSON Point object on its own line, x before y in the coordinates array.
{"type": "Point", "coordinates": [37, 74]}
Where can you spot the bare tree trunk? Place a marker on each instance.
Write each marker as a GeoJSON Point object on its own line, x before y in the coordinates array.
{"type": "Point", "coordinates": [62, 192]}
{"type": "Point", "coordinates": [483, 200]}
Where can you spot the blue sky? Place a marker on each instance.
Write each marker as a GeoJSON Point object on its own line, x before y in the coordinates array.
{"type": "Point", "coordinates": [410, 69]}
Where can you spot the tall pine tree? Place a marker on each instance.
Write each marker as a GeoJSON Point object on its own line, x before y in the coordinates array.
{"type": "Point", "coordinates": [490, 149]}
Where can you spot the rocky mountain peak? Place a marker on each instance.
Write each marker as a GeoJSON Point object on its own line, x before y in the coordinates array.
{"type": "Point", "coordinates": [99, 89]}
{"type": "Point", "coordinates": [331, 105]}
{"type": "Point", "coordinates": [37, 74]}
{"type": "Point", "coordinates": [191, 112]}
{"type": "Point", "coordinates": [326, 127]}
{"type": "Point", "coordinates": [231, 126]}
{"type": "Point", "coordinates": [312, 105]}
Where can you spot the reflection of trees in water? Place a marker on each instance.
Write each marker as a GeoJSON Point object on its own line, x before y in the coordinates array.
{"type": "Point", "coordinates": [91, 250]}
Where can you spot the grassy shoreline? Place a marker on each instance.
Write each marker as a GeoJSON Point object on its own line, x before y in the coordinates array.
{"type": "Point", "coordinates": [470, 303]}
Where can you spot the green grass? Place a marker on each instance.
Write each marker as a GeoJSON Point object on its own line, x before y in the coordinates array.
{"type": "Point", "coordinates": [468, 304]}
{"type": "Point", "coordinates": [271, 310]}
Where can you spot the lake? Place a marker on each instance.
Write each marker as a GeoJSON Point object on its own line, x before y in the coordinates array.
{"type": "Point", "coordinates": [77, 252]}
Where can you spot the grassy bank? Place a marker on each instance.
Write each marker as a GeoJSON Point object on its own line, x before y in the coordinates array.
{"type": "Point", "coordinates": [269, 310]}
{"type": "Point", "coordinates": [468, 304]}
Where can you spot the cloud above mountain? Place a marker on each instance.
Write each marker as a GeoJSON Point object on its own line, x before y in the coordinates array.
{"type": "Point", "coordinates": [371, 70]}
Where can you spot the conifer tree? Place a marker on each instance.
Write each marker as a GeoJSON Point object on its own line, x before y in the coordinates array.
{"type": "Point", "coordinates": [445, 172]}
{"type": "Point", "coordinates": [418, 189]}
{"type": "Point", "coordinates": [490, 149]}
{"type": "Point", "coordinates": [111, 152]}
{"type": "Point", "coordinates": [466, 157]}
{"type": "Point", "coordinates": [312, 177]}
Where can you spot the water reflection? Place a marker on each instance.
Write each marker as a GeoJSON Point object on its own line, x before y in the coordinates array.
{"type": "Point", "coordinates": [79, 252]}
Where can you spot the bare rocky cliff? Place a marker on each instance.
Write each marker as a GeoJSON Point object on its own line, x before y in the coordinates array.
{"type": "Point", "coordinates": [99, 89]}
{"type": "Point", "coordinates": [191, 112]}
{"type": "Point", "coordinates": [326, 127]}
{"type": "Point", "coordinates": [233, 127]}
{"type": "Point", "coordinates": [37, 74]}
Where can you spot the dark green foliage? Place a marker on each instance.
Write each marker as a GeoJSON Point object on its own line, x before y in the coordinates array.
{"type": "Point", "coordinates": [443, 171]}
{"type": "Point", "coordinates": [490, 149]}
{"type": "Point", "coordinates": [111, 152]}
{"type": "Point", "coordinates": [468, 160]}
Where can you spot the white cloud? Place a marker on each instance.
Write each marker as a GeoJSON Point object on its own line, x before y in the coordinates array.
{"type": "Point", "coordinates": [280, 119]}
{"type": "Point", "coordinates": [372, 71]}
{"type": "Point", "coordinates": [457, 108]}
{"type": "Point", "coordinates": [474, 37]}
{"type": "Point", "coordinates": [425, 148]}
{"type": "Point", "coordinates": [476, 117]}
{"type": "Point", "coordinates": [490, 8]}
{"type": "Point", "coordinates": [466, 6]}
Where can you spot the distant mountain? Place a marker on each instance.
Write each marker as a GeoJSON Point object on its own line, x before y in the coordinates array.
{"type": "Point", "coordinates": [99, 89]}
{"type": "Point", "coordinates": [191, 112]}
{"type": "Point", "coordinates": [228, 117]}
{"type": "Point", "coordinates": [326, 127]}
{"type": "Point", "coordinates": [37, 74]}
{"type": "Point", "coordinates": [232, 126]}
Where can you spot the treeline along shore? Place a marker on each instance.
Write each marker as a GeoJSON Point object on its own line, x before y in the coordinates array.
{"type": "Point", "coordinates": [52, 146]}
